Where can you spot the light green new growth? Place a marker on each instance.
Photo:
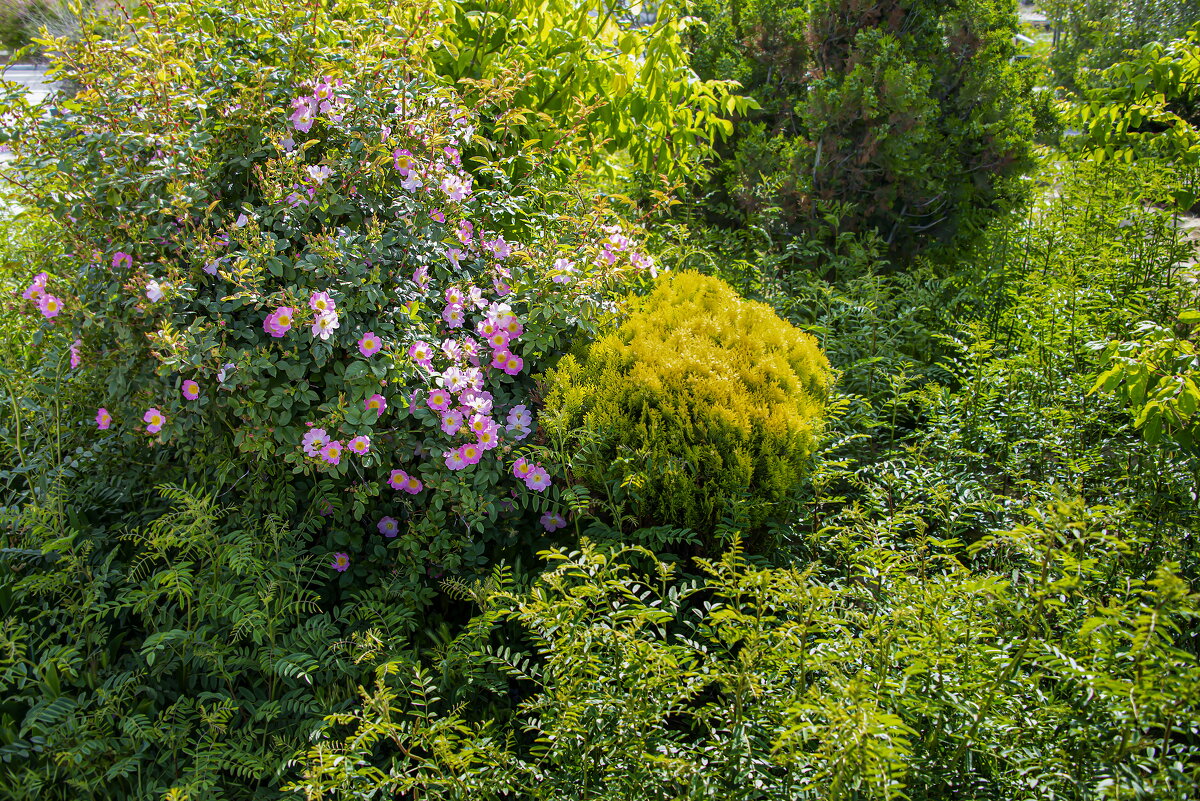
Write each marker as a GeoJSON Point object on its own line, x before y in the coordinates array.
{"type": "Point", "coordinates": [700, 399]}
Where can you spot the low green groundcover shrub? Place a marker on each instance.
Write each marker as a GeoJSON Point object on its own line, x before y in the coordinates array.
{"type": "Point", "coordinates": [702, 405]}
{"type": "Point", "coordinates": [901, 674]}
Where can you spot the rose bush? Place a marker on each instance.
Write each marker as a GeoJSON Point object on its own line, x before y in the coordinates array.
{"type": "Point", "coordinates": [288, 248]}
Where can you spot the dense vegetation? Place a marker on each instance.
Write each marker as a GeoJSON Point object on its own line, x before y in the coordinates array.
{"type": "Point", "coordinates": [816, 416]}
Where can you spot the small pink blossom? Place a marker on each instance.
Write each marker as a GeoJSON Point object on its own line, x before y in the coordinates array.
{"type": "Point", "coordinates": [420, 277]}
{"type": "Point", "coordinates": [519, 416]}
{"type": "Point", "coordinates": [488, 439]}
{"type": "Point", "coordinates": [375, 403]}
{"type": "Point", "coordinates": [511, 326]}
{"type": "Point", "coordinates": [278, 322]}
{"type": "Point", "coordinates": [455, 460]}
{"type": "Point", "coordinates": [644, 262]}
{"type": "Point", "coordinates": [421, 353]}
{"type": "Point", "coordinates": [305, 113]}
{"type": "Point", "coordinates": [154, 420]}
{"type": "Point", "coordinates": [553, 521]}
{"type": "Point", "coordinates": [320, 302]}
{"type": "Point", "coordinates": [522, 468]}
{"type": "Point", "coordinates": [325, 324]}
{"type": "Point", "coordinates": [190, 389]}
{"type": "Point", "coordinates": [513, 364]}
{"type": "Point", "coordinates": [480, 423]}
{"type": "Point", "coordinates": [498, 248]}
{"type": "Point", "coordinates": [438, 400]}
{"type": "Point", "coordinates": [452, 349]}
{"type": "Point", "coordinates": [388, 526]}
{"type": "Point", "coordinates": [360, 444]}
{"type": "Point", "coordinates": [498, 341]}
{"type": "Point", "coordinates": [103, 418]}
{"type": "Point", "coordinates": [36, 289]}
{"type": "Point", "coordinates": [562, 271]}
{"type": "Point", "coordinates": [314, 440]}
{"type": "Point", "coordinates": [456, 188]}
{"type": "Point", "coordinates": [437, 216]}
{"type": "Point", "coordinates": [477, 401]}
{"type": "Point", "coordinates": [538, 479]}
{"type": "Point", "coordinates": [397, 479]}
{"type": "Point", "coordinates": [404, 162]}
{"type": "Point", "coordinates": [331, 452]}
{"type": "Point", "coordinates": [122, 260]}
{"type": "Point", "coordinates": [413, 485]}
{"type": "Point", "coordinates": [465, 231]}
{"type": "Point", "coordinates": [318, 174]}
{"type": "Point", "coordinates": [369, 345]}
{"type": "Point", "coordinates": [452, 421]}
{"type": "Point", "coordinates": [49, 306]}
{"type": "Point", "coordinates": [454, 379]}
{"type": "Point", "coordinates": [341, 561]}
{"type": "Point", "coordinates": [471, 453]}
{"type": "Point", "coordinates": [76, 356]}
{"type": "Point", "coordinates": [453, 315]}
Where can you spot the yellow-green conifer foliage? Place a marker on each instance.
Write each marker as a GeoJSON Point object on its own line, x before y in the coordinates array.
{"type": "Point", "coordinates": [699, 402]}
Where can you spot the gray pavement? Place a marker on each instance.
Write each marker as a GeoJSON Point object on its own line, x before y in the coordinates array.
{"type": "Point", "coordinates": [34, 81]}
{"type": "Point", "coordinates": [33, 78]}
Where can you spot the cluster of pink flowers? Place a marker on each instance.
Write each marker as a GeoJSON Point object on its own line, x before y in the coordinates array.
{"type": "Point", "coordinates": [442, 172]}
{"type": "Point", "coordinates": [324, 322]}
{"type": "Point", "coordinates": [400, 480]}
{"type": "Point", "coordinates": [318, 445]}
{"type": "Point", "coordinates": [47, 304]}
{"type": "Point", "coordinates": [326, 319]}
{"type": "Point", "coordinates": [324, 99]}
{"type": "Point", "coordinates": [534, 475]}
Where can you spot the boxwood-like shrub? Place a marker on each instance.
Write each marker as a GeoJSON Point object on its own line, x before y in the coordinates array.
{"type": "Point", "coordinates": [701, 406]}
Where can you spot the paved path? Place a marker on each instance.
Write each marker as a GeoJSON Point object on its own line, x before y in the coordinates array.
{"type": "Point", "coordinates": [34, 81]}
{"type": "Point", "coordinates": [33, 78]}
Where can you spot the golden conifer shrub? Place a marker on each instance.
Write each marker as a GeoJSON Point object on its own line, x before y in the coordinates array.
{"type": "Point", "coordinates": [702, 405]}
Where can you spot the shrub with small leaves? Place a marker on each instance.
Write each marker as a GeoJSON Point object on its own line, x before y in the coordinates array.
{"type": "Point", "coordinates": [701, 406]}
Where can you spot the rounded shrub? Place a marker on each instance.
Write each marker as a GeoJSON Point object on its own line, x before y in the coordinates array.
{"type": "Point", "coordinates": [701, 406]}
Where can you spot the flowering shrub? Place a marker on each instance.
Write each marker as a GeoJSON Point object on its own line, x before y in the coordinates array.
{"type": "Point", "coordinates": [316, 269]}
{"type": "Point", "coordinates": [704, 404]}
